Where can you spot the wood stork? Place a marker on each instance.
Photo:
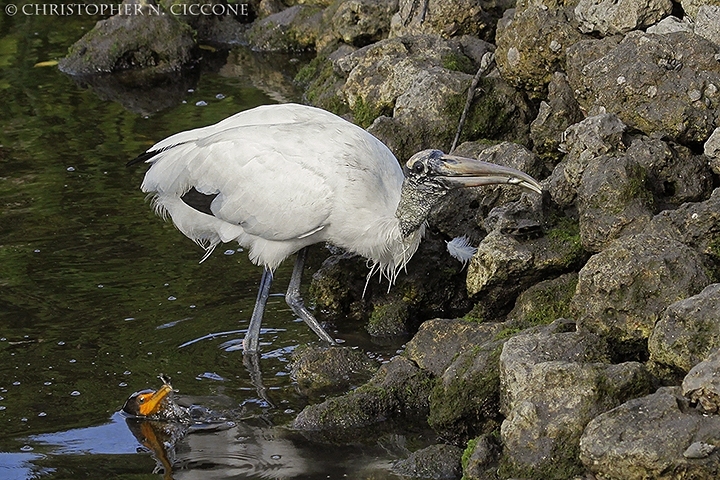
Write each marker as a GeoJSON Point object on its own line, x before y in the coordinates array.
{"type": "Point", "coordinates": [279, 178]}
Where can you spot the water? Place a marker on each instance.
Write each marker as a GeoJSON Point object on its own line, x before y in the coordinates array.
{"type": "Point", "coordinates": [98, 295]}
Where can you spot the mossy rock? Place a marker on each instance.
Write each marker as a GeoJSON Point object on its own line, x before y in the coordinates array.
{"type": "Point", "coordinates": [157, 44]}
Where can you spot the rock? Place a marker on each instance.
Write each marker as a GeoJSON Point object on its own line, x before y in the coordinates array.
{"type": "Point", "coordinates": [432, 285]}
{"type": "Point", "coordinates": [623, 290]}
{"type": "Point", "coordinates": [688, 330]}
{"type": "Point", "coordinates": [692, 7]}
{"type": "Point", "coordinates": [466, 397]}
{"type": "Point", "coordinates": [411, 91]}
{"type": "Point", "coordinates": [439, 341]}
{"type": "Point", "coordinates": [554, 116]}
{"type": "Point", "coordinates": [671, 25]}
{"type": "Point", "coordinates": [399, 390]}
{"type": "Point", "coordinates": [480, 458]}
{"type": "Point", "coordinates": [608, 17]}
{"type": "Point", "coordinates": [702, 384]}
{"type": "Point", "coordinates": [712, 150]}
{"type": "Point", "coordinates": [448, 18]}
{"type": "Point", "coordinates": [694, 224]}
{"type": "Point", "coordinates": [542, 303]}
{"type": "Point", "coordinates": [663, 85]}
{"type": "Point", "coordinates": [707, 23]}
{"type": "Point", "coordinates": [156, 44]}
{"type": "Point", "coordinates": [588, 139]}
{"type": "Point", "coordinates": [290, 30]}
{"type": "Point", "coordinates": [319, 368]}
{"type": "Point", "coordinates": [612, 201]}
{"type": "Point", "coordinates": [438, 462]}
{"type": "Point", "coordinates": [357, 22]}
{"type": "Point", "coordinates": [616, 444]}
{"type": "Point", "coordinates": [674, 174]}
{"type": "Point", "coordinates": [552, 385]}
{"type": "Point", "coordinates": [523, 352]}
{"type": "Point", "coordinates": [505, 265]}
{"type": "Point", "coordinates": [429, 112]}
{"type": "Point", "coordinates": [531, 43]}
{"type": "Point", "coordinates": [379, 73]}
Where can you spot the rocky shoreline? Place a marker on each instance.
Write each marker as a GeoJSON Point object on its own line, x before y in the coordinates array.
{"type": "Point", "coordinates": [582, 340]}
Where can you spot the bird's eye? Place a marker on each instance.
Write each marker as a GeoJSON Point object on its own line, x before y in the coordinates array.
{"type": "Point", "coordinates": [418, 167]}
{"type": "Point", "coordinates": [141, 400]}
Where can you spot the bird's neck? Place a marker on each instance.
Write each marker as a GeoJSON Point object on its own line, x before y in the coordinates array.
{"type": "Point", "coordinates": [416, 202]}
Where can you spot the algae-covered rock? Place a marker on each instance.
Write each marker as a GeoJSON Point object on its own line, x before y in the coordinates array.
{"type": "Point", "coordinates": [688, 331]}
{"type": "Point", "coordinates": [154, 43]}
{"type": "Point", "coordinates": [506, 264]}
{"type": "Point", "coordinates": [317, 368]}
{"type": "Point", "coordinates": [439, 341]}
{"type": "Point", "coordinates": [466, 397]}
{"type": "Point", "coordinates": [398, 391]}
{"type": "Point", "coordinates": [438, 462]}
{"type": "Point", "coordinates": [623, 290]}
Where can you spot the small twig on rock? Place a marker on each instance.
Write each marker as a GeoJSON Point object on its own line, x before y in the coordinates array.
{"type": "Point", "coordinates": [487, 61]}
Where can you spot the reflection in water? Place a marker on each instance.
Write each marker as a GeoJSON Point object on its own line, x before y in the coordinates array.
{"type": "Point", "coordinates": [249, 448]}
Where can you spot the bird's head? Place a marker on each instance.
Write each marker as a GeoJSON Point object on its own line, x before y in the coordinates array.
{"type": "Point", "coordinates": [431, 174]}
{"type": "Point", "coordinates": [147, 403]}
{"type": "Point", "coordinates": [443, 171]}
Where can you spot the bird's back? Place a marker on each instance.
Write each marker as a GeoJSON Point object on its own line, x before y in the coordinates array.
{"type": "Point", "coordinates": [282, 177]}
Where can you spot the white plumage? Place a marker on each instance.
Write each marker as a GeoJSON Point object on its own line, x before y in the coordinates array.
{"type": "Point", "coordinates": [279, 191]}
{"type": "Point", "coordinates": [279, 178]}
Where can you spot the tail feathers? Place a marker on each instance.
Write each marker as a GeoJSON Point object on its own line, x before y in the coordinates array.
{"type": "Point", "coordinates": [145, 156]}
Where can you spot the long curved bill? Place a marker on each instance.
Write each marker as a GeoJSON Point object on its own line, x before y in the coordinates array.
{"type": "Point", "coordinates": [151, 404]}
{"type": "Point", "coordinates": [468, 172]}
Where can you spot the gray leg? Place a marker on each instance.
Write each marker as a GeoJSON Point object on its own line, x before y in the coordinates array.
{"type": "Point", "coordinates": [250, 343]}
{"type": "Point", "coordinates": [294, 300]}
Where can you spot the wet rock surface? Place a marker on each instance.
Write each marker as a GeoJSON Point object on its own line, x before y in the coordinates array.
{"type": "Point", "coordinates": [540, 357]}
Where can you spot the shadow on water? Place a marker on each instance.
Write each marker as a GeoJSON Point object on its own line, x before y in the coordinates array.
{"type": "Point", "coordinates": [97, 294]}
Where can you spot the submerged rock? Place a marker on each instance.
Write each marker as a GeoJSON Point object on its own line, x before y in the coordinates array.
{"type": "Point", "coordinates": [322, 368]}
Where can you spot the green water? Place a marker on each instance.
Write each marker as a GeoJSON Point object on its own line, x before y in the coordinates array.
{"type": "Point", "coordinates": [98, 295]}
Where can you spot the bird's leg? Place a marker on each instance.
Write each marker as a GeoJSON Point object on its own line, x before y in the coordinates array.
{"type": "Point", "coordinates": [252, 337]}
{"type": "Point", "coordinates": [295, 301]}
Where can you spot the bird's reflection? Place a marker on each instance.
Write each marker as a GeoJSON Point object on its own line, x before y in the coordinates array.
{"type": "Point", "coordinates": [160, 423]}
